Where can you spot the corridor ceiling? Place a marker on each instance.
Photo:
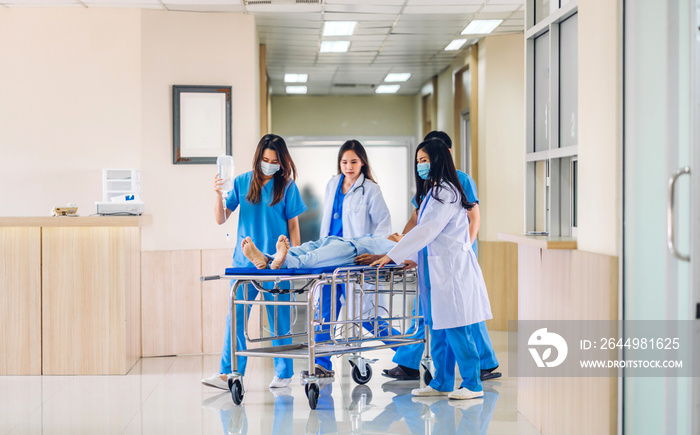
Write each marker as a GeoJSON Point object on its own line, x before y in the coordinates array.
{"type": "Point", "coordinates": [391, 36]}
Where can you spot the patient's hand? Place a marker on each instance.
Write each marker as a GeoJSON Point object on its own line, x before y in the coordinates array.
{"type": "Point", "coordinates": [366, 259]}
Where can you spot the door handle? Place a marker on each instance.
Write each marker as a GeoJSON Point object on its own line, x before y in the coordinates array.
{"type": "Point", "coordinates": [670, 217]}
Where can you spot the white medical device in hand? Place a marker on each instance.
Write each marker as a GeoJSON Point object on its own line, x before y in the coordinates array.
{"type": "Point", "coordinates": [224, 164]}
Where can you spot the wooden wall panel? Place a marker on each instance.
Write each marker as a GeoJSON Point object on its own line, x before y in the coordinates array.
{"type": "Point", "coordinates": [171, 297]}
{"type": "Point", "coordinates": [499, 264]}
{"type": "Point", "coordinates": [215, 299]}
{"type": "Point", "coordinates": [568, 285]}
{"type": "Point", "coordinates": [87, 300]}
{"type": "Point", "coordinates": [20, 301]}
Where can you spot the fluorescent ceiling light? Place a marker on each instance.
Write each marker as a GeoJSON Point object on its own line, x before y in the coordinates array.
{"type": "Point", "coordinates": [387, 89]}
{"type": "Point", "coordinates": [335, 46]}
{"type": "Point", "coordinates": [339, 28]}
{"type": "Point", "coordinates": [296, 78]}
{"type": "Point", "coordinates": [296, 89]}
{"type": "Point", "coordinates": [397, 77]}
{"type": "Point", "coordinates": [455, 45]}
{"type": "Point", "coordinates": [481, 27]}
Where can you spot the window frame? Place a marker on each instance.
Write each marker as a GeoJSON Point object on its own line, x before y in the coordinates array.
{"type": "Point", "coordinates": [559, 210]}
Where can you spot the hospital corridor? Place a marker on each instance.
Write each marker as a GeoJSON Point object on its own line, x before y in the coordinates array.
{"type": "Point", "coordinates": [350, 217]}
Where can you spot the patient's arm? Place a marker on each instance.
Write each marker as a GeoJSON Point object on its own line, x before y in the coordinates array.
{"type": "Point", "coordinates": [366, 259]}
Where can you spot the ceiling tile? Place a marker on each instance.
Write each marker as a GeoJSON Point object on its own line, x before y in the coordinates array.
{"type": "Point", "coordinates": [204, 3]}
{"type": "Point", "coordinates": [441, 3]}
{"type": "Point", "coordinates": [363, 8]}
{"type": "Point", "coordinates": [206, 8]}
{"type": "Point", "coordinates": [498, 8]}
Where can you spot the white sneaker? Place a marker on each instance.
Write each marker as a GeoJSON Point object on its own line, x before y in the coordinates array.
{"type": "Point", "coordinates": [278, 382]}
{"type": "Point", "coordinates": [466, 404]}
{"type": "Point", "coordinates": [464, 393]}
{"type": "Point", "coordinates": [217, 381]}
{"type": "Point", "coordinates": [428, 391]}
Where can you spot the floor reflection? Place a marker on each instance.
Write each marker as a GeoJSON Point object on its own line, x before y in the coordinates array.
{"type": "Point", "coordinates": [415, 415]}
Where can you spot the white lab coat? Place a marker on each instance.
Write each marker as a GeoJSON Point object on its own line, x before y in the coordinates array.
{"type": "Point", "coordinates": [364, 212]}
{"type": "Point", "coordinates": [457, 288]}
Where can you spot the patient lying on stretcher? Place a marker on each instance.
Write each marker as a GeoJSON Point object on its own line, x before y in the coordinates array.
{"type": "Point", "coordinates": [324, 252]}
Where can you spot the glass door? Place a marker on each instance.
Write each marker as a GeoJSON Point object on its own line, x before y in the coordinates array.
{"type": "Point", "coordinates": [660, 265]}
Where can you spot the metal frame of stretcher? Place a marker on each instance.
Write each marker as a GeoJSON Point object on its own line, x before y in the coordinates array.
{"type": "Point", "coordinates": [361, 282]}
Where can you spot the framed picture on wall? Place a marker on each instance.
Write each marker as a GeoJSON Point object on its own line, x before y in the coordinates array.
{"type": "Point", "coordinates": [201, 123]}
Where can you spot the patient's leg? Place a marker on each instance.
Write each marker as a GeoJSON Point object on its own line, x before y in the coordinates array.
{"type": "Point", "coordinates": [331, 251]}
{"type": "Point", "coordinates": [281, 254]}
{"type": "Point", "coordinates": [253, 254]}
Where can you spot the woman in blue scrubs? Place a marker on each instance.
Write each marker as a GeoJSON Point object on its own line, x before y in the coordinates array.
{"type": "Point", "coordinates": [353, 207]}
{"type": "Point", "coordinates": [270, 204]}
{"type": "Point", "coordinates": [451, 285]}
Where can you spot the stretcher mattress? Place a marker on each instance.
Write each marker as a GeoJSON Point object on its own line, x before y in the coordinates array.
{"type": "Point", "coordinates": [254, 271]}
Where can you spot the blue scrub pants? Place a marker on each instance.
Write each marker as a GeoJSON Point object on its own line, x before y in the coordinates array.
{"type": "Point", "coordinates": [284, 367]}
{"type": "Point", "coordinates": [450, 346]}
{"type": "Point", "coordinates": [410, 356]}
{"type": "Point", "coordinates": [323, 334]}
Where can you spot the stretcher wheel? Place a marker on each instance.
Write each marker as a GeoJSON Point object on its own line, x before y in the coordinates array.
{"type": "Point", "coordinates": [427, 377]}
{"type": "Point", "coordinates": [360, 392]}
{"type": "Point", "coordinates": [357, 376]}
{"type": "Point", "coordinates": [236, 388]}
{"type": "Point", "coordinates": [312, 394]}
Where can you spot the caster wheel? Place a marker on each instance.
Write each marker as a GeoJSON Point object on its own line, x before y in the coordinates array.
{"type": "Point", "coordinates": [357, 376]}
{"type": "Point", "coordinates": [360, 392]}
{"type": "Point", "coordinates": [236, 388]}
{"type": "Point", "coordinates": [312, 393]}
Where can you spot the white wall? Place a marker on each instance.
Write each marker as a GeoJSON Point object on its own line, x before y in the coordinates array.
{"type": "Point", "coordinates": [501, 134]}
{"type": "Point", "coordinates": [86, 89]}
{"type": "Point", "coordinates": [351, 116]}
{"type": "Point", "coordinates": [600, 126]}
{"type": "Point", "coordinates": [185, 49]}
{"type": "Point", "coordinates": [70, 105]}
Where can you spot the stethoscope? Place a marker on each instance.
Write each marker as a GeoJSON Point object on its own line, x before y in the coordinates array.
{"type": "Point", "coordinates": [336, 215]}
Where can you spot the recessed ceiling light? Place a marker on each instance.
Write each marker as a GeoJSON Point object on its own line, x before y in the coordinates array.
{"type": "Point", "coordinates": [481, 27]}
{"type": "Point", "coordinates": [296, 78]}
{"type": "Point", "coordinates": [335, 46]}
{"type": "Point", "coordinates": [397, 77]}
{"type": "Point", "coordinates": [387, 89]}
{"type": "Point", "coordinates": [339, 28]}
{"type": "Point", "coordinates": [455, 45]}
{"type": "Point", "coordinates": [296, 89]}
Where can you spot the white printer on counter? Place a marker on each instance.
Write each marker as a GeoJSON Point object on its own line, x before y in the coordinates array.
{"type": "Point", "coordinates": [121, 193]}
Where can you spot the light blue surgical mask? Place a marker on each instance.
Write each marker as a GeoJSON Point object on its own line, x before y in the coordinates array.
{"type": "Point", "coordinates": [423, 170]}
{"type": "Point", "coordinates": [268, 168]}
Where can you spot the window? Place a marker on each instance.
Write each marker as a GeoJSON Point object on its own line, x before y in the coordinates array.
{"type": "Point", "coordinates": [552, 117]}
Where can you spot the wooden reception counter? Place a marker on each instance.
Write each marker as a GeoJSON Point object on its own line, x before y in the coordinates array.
{"type": "Point", "coordinates": [70, 295]}
{"type": "Point", "coordinates": [556, 281]}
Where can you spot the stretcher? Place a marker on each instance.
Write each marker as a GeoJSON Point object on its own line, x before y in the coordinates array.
{"type": "Point", "coordinates": [392, 284]}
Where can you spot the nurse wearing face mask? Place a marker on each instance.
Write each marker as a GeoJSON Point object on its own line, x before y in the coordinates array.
{"type": "Point", "coordinates": [270, 204]}
{"type": "Point", "coordinates": [353, 207]}
{"type": "Point", "coordinates": [452, 288]}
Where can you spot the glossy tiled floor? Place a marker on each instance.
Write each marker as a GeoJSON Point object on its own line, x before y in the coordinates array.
{"type": "Point", "coordinates": [164, 396]}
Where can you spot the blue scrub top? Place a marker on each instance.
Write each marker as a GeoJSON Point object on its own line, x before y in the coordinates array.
{"type": "Point", "coordinates": [261, 222]}
{"type": "Point", "coordinates": [469, 188]}
{"type": "Point", "coordinates": [336, 228]}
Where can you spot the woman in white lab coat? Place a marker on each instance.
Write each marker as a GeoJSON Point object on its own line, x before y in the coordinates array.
{"type": "Point", "coordinates": [451, 285]}
{"type": "Point", "coordinates": [353, 207]}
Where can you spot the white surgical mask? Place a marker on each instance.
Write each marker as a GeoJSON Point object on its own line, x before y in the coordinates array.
{"type": "Point", "coordinates": [268, 168]}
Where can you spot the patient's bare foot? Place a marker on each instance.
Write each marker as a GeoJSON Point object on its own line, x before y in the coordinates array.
{"type": "Point", "coordinates": [253, 254]}
{"type": "Point", "coordinates": [281, 254]}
